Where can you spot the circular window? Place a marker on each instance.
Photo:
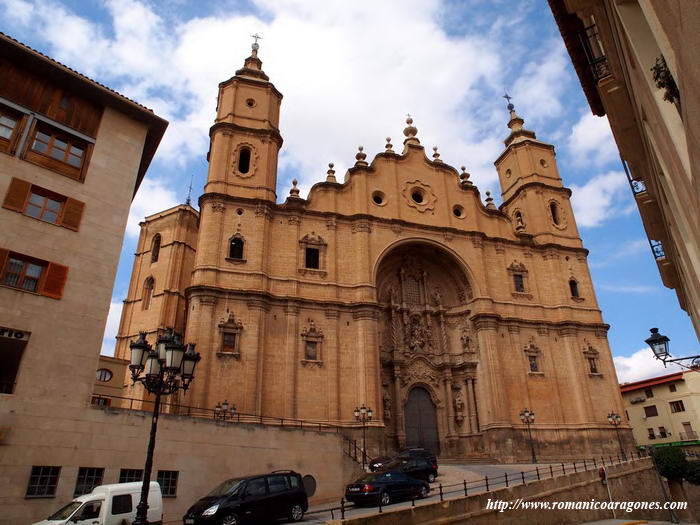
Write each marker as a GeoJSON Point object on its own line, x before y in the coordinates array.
{"type": "Point", "coordinates": [418, 195]}
{"type": "Point", "coordinates": [378, 198]}
{"type": "Point", "coordinates": [250, 103]}
{"type": "Point", "coordinates": [239, 211]}
{"type": "Point", "coordinates": [543, 163]}
{"type": "Point", "coordinates": [458, 211]}
{"type": "Point", "coordinates": [104, 375]}
{"type": "Point", "coordinates": [508, 173]}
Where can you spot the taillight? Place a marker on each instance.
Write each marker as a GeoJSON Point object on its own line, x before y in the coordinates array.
{"type": "Point", "coordinates": [368, 488]}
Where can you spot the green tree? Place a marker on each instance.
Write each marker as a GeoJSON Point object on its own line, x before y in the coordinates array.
{"type": "Point", "coordinates": [674, 465]}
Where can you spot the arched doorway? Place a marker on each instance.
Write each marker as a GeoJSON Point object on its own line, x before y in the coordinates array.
{"type": "Point", "coordinates": [421, 421]}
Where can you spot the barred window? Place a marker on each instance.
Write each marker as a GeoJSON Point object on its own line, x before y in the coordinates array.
{"type": "Point", "coordinates": [22, 273]}
{"type": "Point", "coordinates": [167, 479]}
{"type": "Point", "coordinates": [43, 481]}
{"type": "Point", "coordinates": [677, 406]}
{"type": "Point", "coordinates": [519, 282]}
{"type": "Point", "coordinates": [128, 475]}
{"type": "Point", "coordinates": [412, 290]}
{"type": "Point", "coordinates": [88, 479]}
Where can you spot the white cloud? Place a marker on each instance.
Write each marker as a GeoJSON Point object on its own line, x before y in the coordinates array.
{"type": "Point", "coordinates": [628, 288]}
{"type": "Point", "coordinates": [591, 141]}
{"type": "Point", "coordinates": [349, 71]}
{"type": "Point", "coordinates": [17, 11]}
{"type": "Point", "coordinates": [641, 365]}
{"type": "Point", "coordinates": [624, 250]}
{"type": "Point", "coordinates": [115, 314]}
{"type": "Point", "coordinates": [601, 198]}
{"type": "Point", "coordinates": [153, 196]}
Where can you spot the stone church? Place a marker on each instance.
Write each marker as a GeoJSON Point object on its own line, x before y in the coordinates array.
{"type": "Point", "coordinates": [394, 286]}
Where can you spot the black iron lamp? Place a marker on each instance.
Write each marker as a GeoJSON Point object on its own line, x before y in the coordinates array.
{"type": "Point", "coordinates": [659, 345]}
{"type": "Point", "coordinates": [363, 414]}
{"type": "Point", "coordinates": [528, 417]}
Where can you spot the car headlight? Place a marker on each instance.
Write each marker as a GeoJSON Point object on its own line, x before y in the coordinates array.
{"type": "Point", "coordinates": [211, 510]}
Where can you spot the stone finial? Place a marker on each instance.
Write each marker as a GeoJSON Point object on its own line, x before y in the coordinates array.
{"type": "Point", "coordinates": [410, 131]}
{"type": "Point", "coordinates": [436, 155]}
{"type": "Point", "coordinates": [489, 201]}
{"type": "Point", "coordinates": [294, 191]}
{"type": "Point", "coordinates": [464, 177]}
{"type": "Point", "coordinates": [360, 157]}
{"type": "Point", "coordinates": [389, 145]}
{"type": "Point", "coordinates": [331, 173]}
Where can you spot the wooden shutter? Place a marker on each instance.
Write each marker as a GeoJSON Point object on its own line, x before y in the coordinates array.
{"type": "Point", "coordinates": [72, 214]}
{"type": "Point", "coordinates": [55, 280]}
{"type": "Point", "coordinates": [17, 194]}
{"type": "Point", "coordinates": [3, 258]}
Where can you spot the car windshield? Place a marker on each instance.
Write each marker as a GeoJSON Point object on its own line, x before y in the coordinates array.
{"type": "Point", "coordinates": [227, 488]}
{"type": "Point", "coordinates": [65, 512]}
{"type": "Point", "coordinates": [396, 463]}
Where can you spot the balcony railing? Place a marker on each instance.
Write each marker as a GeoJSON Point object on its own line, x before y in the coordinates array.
{"type": "Point", "coordinates": [597, 60]}
{"type": "Point", "coordinates": [657, 249]}
{"type": "Point", "coordinates": [638, 185]}
{"type": "Point", "coordinates": [688, 436]}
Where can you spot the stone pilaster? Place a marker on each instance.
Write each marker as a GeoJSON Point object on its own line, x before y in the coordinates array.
{"type": "Point", "coordinates": [291, 362]}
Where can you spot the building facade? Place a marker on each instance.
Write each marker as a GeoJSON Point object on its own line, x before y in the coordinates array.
{"type": "Point", "coordinates": [396, 288]}
{"type": "Point", "coordinates": [637, 63]}
{"type": "Point", "coordinates": [665, 410]}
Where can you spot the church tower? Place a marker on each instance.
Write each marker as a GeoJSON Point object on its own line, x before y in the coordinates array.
{"type": "Point", "coordinates": [531, 188]}
{"type": "Point", "coordinates": [245, 137]}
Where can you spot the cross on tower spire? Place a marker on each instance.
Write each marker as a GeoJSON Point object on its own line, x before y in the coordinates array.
{"type": "Point", "coordinates": [508, 98]}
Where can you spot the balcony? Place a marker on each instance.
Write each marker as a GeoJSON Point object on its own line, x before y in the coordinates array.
{"type": "Point", "coordinates": [688, 436]}
{"type": "Point", "coordinates": [657, 249]}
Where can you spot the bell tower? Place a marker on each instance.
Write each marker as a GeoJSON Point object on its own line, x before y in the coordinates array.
{"type": "Point", "coordinates": [531, 188]}
{"type": "Point", "coordinates": [245, 139]}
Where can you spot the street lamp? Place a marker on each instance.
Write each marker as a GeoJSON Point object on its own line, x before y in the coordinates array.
{"type": "Point", "coordinates": [528, 418]}
{"type": "Point", "coordinates": [615, 420]}
{"type": "Point", "coordinates": [363, 414]}
{"type": "Point", "coordinates": [162, 371]}
{"type": "Point", "coordinates": [224, 411]}
{"type": "Point", "coordinates": [659, 345]}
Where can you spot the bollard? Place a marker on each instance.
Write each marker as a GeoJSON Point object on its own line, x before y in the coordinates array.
{"type": "Point", "coordinates": [465, 487]}
{"type": "Point", "coordinates": [551, 471]}
{"type": "Point", "coordinates": [594, 464]}
{"type": "Point", "coordinates": [486, 480]}
{"type": "Point", "coordinates": [441, 498]}
{"type": "Point", "coordinates": [380, 503]}
{"type": "Point", "coordinates": [413, 501]}
{"type": "Point", "coordinates": [506, 479]}
{"type": "Point", "coordinates": [602, 460]}
{"type": "Point", "coordinates": [332, 515]}
{"type": "Point", "coordinates": [563, 468]}
{"type": "Point", "coordinates": [575, 467]}
{"type": "Point", "coordinates": [537, 469]}
{"type": "Point", "coordinates": [522, 475]}
{"type": "Point", "coordinates": [342, 508]}
{"type": "Point", "coordinates": [584, 464]}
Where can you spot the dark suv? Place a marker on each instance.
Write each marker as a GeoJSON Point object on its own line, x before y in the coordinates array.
{"type": "Point", "coordinates": [416, 467]}
{"type": "Point", "coordinates": [261, 498]}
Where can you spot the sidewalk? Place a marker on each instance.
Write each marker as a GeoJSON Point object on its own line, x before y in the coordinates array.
{"type": "Point", "coordinates": [634, 522]}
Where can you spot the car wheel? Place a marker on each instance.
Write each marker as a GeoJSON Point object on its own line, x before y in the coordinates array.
{"type": "Point", "coordinates": [423, 491]}
{"type": "Point", "coordinates": [431, 478]}
{"type": "Point", "coordinates": [230, 519]}
{"type": "Point", "coordinates": [296, 513]}
{"type": "Point", "coordinates": [385, 498]}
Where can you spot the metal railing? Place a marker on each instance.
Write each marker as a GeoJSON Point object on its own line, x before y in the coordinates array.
{"type": "Point", "coordinates": [466, 488]}
{"type": "Point", "coordinates": [688, 436]}
{"type": "Point", "coordinates": [638, 186]}
{"type": "Point", "coordinates": [657, 249]}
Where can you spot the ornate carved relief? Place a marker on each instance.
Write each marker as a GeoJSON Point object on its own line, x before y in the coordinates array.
{"type": "Point", "coordinates": [312, 338]}
{"type": "Point", "coordinates": [252, 163]}
{"type": "Point", "coordinates": [218, 207]}
{"type": "Point", "coordinates": [361, 226]}
{"type": "Point", "coordinates": [230, 330]}
{"type": "Point", "coordinates": [419, 195]}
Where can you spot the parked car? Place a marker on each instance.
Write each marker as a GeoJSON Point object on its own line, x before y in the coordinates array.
{"type": "Point", "coordinates": [417, 453]}
{"type": "Point", "coordinates": [260, 498]}
{"type": "Point", "coordinates": [109, 505]}
{"type": "Point", "coordinates": [385, 487]}
{"type": "Point", "coordinates": [417, 467]}
{"type": "Point", "coordinates": [377, 463]}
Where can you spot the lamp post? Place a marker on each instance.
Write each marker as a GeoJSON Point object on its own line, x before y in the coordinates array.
{"type": "Point", "coordinates": [659, 345]}
{"type": "Point", "coordinates": [528, 417]}
{"type": "Point", "coordinates": [615, 420]}
{"type": "Point", "coordinates": [162, 371]}
{"type": "Point", "coordinates": [224, 411]}
{"type": "Point", "coordinates": [363, 414]}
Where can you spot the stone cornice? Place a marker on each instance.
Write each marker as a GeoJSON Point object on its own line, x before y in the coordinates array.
{"type": "Point", "coordinates": [519, 190]}
{"type": "Point", "coordinates": [492, 321]}
{"type": "Point", "coordinates": [524, 240]}
{"type": "Point", "coordinates": [273, 134]}
{"type": "Point", "coordinates": [166, 245]}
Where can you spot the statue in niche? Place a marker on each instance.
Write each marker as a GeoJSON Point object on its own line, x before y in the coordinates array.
{"type": "Point", "coordinates": [311, 351]}
{"type": "Point", "coordinates": [386, 401]}
{"type": "Point", "coordinates": [459, 408]}
{"type": "Point", "coordinates": [418, 336]}
{"type": "Point", "coordinates": [436, 296]}
{"type": "Point", "coordinates": [466, 339]}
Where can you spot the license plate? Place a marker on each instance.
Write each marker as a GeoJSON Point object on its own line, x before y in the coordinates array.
{"type": "Point", "coordinates": [189, 521]}
{"type": "Point", "coordinates": [354, 489]}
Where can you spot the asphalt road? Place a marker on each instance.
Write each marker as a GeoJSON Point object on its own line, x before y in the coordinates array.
{"type": "Point", "coordinates": [451, 477]}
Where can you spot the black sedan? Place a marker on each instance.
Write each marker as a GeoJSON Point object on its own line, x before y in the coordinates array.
{"type": "Point", "coordinates": [385, 487]}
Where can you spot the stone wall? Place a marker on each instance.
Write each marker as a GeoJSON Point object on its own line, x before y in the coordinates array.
{"type": "Point", "coordinates": [202, 451]}
{"type": "Point", "coordinates": [635, 481]}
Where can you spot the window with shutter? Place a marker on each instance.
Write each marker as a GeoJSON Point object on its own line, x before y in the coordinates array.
{"type": "Point", "coordinates": [11, 123]}
{"type": "Point", "coordinates": [43, 204]}
{"type": "Point", "coordinates": [57, 150]}
{"type": "Point", "coordinates": [55, 281]}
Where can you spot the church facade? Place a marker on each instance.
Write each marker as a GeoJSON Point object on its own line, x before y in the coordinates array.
{"type": "Point", "coordinates": [396, 288]}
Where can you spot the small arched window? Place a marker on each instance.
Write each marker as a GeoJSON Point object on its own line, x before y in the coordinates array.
{"type": "Point", "coordinates": [573, 288]}
{"type": "Point", "coordinates": [554, 211]}
{"type": "Point", "coordinates": [155, 248]}
{"type": "Point", "coordinates": [235, 248]}
{"type": "Point", "coordinates": [147, 293]}
{"type": "Point", "coordinates": [244, 160]}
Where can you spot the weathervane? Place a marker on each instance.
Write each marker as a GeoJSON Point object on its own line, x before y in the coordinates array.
{"type": "Point", "coordinates": [189, 191]}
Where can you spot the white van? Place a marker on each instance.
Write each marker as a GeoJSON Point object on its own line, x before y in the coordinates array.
{"type": "Point", "coordinates": [109, 505]}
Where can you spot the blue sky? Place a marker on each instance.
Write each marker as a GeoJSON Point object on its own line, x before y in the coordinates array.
{"type": "Point", "coordinates": [349, 72]}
